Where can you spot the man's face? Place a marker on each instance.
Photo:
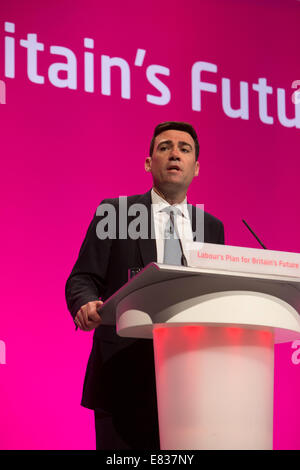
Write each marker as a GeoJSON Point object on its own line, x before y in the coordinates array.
{"type": "Point", "coordinates": [173, 164]}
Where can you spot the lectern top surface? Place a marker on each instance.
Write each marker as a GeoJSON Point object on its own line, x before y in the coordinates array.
{"type": "Point", "coordinates": [284, 287]}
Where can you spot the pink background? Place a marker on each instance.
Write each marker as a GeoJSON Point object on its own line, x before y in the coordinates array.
{"type": "Point", "coordinates": [63, 151]}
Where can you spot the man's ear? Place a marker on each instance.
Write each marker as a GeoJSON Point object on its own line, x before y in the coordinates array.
{"type": "Point", "coordinates": [148, 163]}
{"type": "Point", "coordinates": [197, 168]}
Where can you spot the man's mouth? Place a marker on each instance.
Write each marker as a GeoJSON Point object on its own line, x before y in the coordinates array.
{"type": "Point", "coordinates": [174, 168]}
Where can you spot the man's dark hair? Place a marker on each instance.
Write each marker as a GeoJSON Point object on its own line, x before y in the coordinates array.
{"type": "Point", "coordinates": [178, 126]}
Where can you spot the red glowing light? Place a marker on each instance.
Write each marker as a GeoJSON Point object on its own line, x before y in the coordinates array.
{"type": "Point", "coordinates": [266, 337]}
{"type": "Point", "coordinates": [192, 330]}
{"type": "Point", "coordinates": [233, 331]}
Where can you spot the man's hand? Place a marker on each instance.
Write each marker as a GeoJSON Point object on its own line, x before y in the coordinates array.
{"type": "Point", "coordinates": [87, 317]}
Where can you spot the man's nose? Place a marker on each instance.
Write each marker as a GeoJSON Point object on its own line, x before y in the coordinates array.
{"type": "Point", "coordinates": [175, 154]}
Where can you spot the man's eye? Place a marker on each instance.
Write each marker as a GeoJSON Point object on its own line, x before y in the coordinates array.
{"type": "Point", "coordinates": [185, 149]}
{"type": "Point", "coordinates": [163, 147]}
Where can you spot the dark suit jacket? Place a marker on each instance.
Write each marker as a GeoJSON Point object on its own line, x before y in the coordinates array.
{"type": "Point", "coordinates": [120, 370]}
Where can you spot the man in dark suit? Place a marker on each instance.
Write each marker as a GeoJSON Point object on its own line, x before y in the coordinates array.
{"type": "Point", "coordinates": [120, 378]}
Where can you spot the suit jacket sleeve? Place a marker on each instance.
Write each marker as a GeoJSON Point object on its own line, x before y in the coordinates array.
{"type": "Point", "coordinates": [87, 281]}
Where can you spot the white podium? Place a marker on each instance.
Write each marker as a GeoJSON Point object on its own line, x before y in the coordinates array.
{"type": "Point", "coordinates": [214, 332]}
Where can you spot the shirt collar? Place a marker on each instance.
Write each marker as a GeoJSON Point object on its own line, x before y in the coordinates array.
{"type": "Point", "coordinates": [159, 203]}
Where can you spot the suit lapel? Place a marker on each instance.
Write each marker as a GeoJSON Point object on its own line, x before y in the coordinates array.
{"type": "Point", "coordinates": [197, 222]}
{"type": "Point", "coordinates": [147, 245]}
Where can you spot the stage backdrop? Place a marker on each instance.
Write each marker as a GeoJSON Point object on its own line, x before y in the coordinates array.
{"type": "Point", "coordinates": [82, 85]}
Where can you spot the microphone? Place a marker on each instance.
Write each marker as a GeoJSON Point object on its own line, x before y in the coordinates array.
{"type": "Point", "coordinates": [254, 234]}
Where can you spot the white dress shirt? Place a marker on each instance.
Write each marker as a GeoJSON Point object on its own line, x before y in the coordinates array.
{"type": "Point", "coordinates": [161, 219]}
